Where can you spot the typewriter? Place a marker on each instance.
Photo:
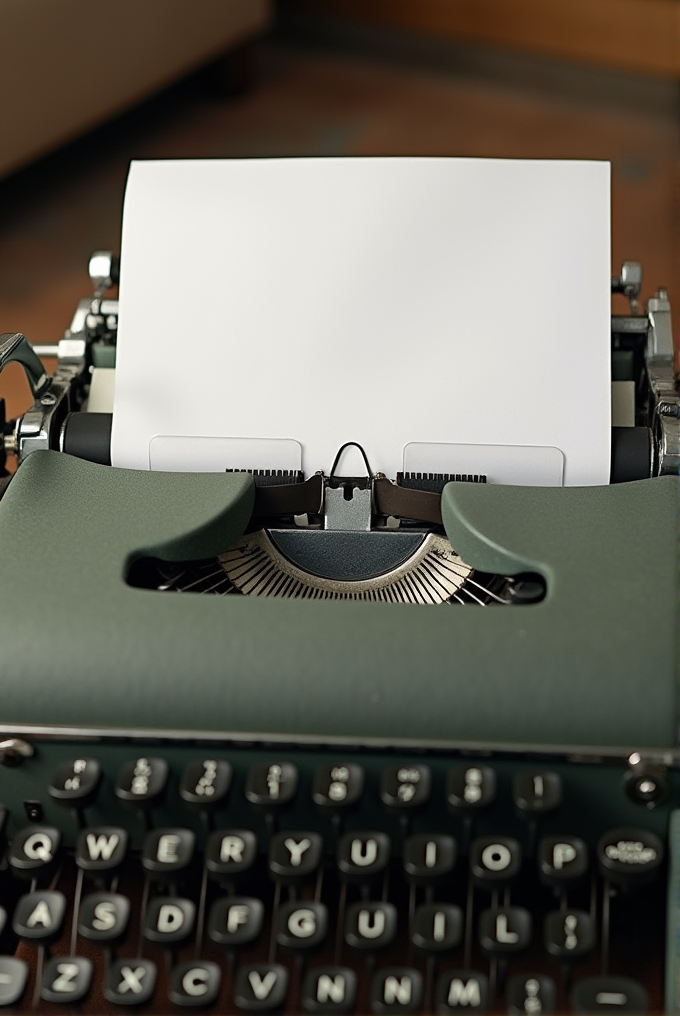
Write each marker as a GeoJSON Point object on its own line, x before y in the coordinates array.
{"type": "Point", "coordinates": [337, 744]}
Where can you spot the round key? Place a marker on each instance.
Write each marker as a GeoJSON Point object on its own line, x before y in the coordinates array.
{"type": "Point", "coordinates": [561, 860]}
{"type": "Point", "coordinates": [103, 917]}
{"type": "Point", "coordinates": [130, 981]}
{"type": "Point", "coordinates": [470, 788]}
{"type": "Point", "coordinates": [101, 848]}
{"type": "Point", "coordinates": [141, 782]}
{"type": "Point", "coordinates": [396, 989]}
{"type": "Point", "coordinates": [196, 983]}
{"type": "Point", "coordinates": [405, 788]}
{"type": "Point", "coordinates": [13, 978]}
{"type": "Point", "coordinates": [166, 853]}
{"type": "Point", "coordinates": [609, 994]}
{"type": "Point", "coordinates": [504, 930]}
{"type": "Point", "coordinates": [437, 927]}
{"type": "Point", "coordinates": [536, 792]}
{"type": "Point", "coordinates": [301, 925]}
{"type": "Point", "coordinates": [370, 925]}
{"type": "Point", "coordinates": [363, 855]}
{"type": "Point", "coordinates": [260, 987]}
{"type": "Point", "coordinates": [74, 784]}
{"type": "Point", "coordinates": [329, 990]}
{"type": "Point", "coordinates": [294, 857]}
{"type": "Point", "coordinates": [629, 856]}
{"type": "Point", "coordinates": [169, 919]}
{"type": "Point", "coordinates": [429, 858]}
{"type": "Point", "coordinates": [462, 990]}
{"type": "Point", "coordinates": [235, 921]}
{"type": "Point", "coordinates": [271, 786]}
{"type": "Point", "coordinates": [495, 861]}
{"type": "Point", "coordinates": [531, 995]}
{"type": "Point", "coordinates": [569, 934]}
{"type": "Point", "coordinates": [39, 917]}
{"type": "Point", "coordinates": [67, 979]}
{"type": "Point", "coordinates": [205, 784]}
{"type": "Point", "coordinates": [230, 853]}
{"type": "Point", "coordinates": [337, 788]}
{"type": "Point", "coordinates": [33, 851]}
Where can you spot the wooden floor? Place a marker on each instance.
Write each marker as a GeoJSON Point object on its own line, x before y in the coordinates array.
{"type": "Point", "coordinates": [319, 101]}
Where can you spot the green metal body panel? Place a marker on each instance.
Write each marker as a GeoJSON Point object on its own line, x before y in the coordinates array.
{"type": "Point", "coordinates": [594, 664]}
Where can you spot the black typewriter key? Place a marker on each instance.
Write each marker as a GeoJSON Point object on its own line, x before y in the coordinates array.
{"type": "Point", "coordinates": [405, 788]}
{"type": "Point", "coordinates": [3, 919]}
{"type": "Point", "coordinates": [536, 793]}
{"type": "Point", "coordinates": [141, 782]}
{"type": "Point", "coordinates": [561, 860]}
{"type": "Point", "coordinates": [363, 855]}
{"type": "Point", "coordinates": [235, 921]}
{"type": "Point", "coordinates": [504, 930]}
{"type": "Point", "coordinates": [33, 851]}
{"type": "Point", "coordinates": [196, 983]}
{"type": "Point", "coordinates": [629, 857]}
{"type": "Point", "coordinates": [169, 919]}
{"type": "Point", "coordinates": [230, 853]}
{"type": "Point", "coordinates": [271, 786]}
{"type": "Point", "coordinates": [609, 994]}
{"type": "Point", "coordinates": [67, 979]}
{"type": "Point", "coordinates": [461, 989]}
{"type": "Point", "coordinates": [428, 858]}
{"type": "Point", "coordinates": [329, 990]}
{"type": "Point", "coordinates": [294, 856]}
{"type": "Point", "coordinates": [40, 916]}
{"type": "Point", "coordinates": [130, 982]}
{"type": "Point", "coordinates": [75, 783]}
{"type": "Point", "coordinates": [470, 788]}
{"type": "Point", "coordinates": [437, 927]}
{"type": "Point", "coordinates": [370, 926]}
{"type": "Point", "coordinates": [13, 978]}
{"type": "Point", "coordinates": [101, 848]}
{"type": "Point", "coordinates": [301, 924]}
{"type": "Point", "coordinates": [495, 861]}
{"type": "Point", "coordinates": [396, 989]}
{"type": "Point", "coordinates": [261, 987]}
{"type": "Point", "coordinates": [531, 995]}
{"type": "Point", "coordinates": [103, 917]}
{"type": "Point", "coordinates": [167, 853]}
{"type": "Point", "coordinates": [569, 934]}
{"type": "Point", "coordinates": [338, 787]}
{"type": "Point", "coordinates": [205, 784]}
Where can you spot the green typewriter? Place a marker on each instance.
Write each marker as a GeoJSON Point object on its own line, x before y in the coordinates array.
{"type": "Point", "coordinates": [335, 744]}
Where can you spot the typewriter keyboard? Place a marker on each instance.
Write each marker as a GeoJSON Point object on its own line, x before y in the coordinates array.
{"type": "Point", "coordinates": [317, 882]}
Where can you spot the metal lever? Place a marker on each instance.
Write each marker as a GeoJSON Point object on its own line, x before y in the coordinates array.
{"type": "Point", "coordinates": [15, 347]}
{"type": "Point", "coordinates": [103, 269]}
{"type": "Point", "coordinates": [629, 282]}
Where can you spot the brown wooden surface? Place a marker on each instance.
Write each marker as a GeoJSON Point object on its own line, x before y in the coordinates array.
{"type": "Point", "coordinates": [633, 35]}
{"type": "Point", "coordinates": [316, 101]}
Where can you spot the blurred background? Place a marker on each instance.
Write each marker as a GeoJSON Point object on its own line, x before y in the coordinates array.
{"type": "Point", "coordinates": [85, 88]}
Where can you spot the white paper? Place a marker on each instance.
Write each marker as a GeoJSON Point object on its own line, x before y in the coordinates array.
{"type": "Point", "coordinates": [287, 306]}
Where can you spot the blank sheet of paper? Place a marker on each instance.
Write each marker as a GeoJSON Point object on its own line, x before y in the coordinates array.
{"type": "Point", "coordinates": [271, 310]}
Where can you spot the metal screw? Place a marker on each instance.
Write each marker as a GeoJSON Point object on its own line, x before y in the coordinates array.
{"type": "Point", "coordinates": [48, 400]}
